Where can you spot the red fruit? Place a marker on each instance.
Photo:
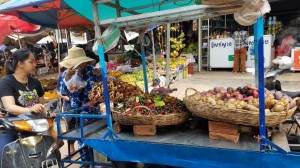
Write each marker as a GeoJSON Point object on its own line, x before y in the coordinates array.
{"type": "Point", "coordinates": [248, 98]}
{"type": "Point", "coordinates": [255, 93]}
{"type": "Point", "coordinates": [252, 88]}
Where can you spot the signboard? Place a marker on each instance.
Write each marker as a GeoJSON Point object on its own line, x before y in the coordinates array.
{"type": "Point", "coordinates": [222, 52]}
{"type": "Point", "coordinates": [296, 59]}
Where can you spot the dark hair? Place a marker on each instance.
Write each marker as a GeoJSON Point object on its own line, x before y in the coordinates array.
{"type": "Point", "coordinates": [12, 62]}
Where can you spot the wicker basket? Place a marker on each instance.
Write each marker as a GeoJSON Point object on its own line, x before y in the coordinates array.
{"type": "Point", "coordinates": [152, 119]}
{"type": "Point", "coordinates": [234, 116]}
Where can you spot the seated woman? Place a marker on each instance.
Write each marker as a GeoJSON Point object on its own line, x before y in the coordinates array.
{"type": "Point", "coordinates": [20, 93]}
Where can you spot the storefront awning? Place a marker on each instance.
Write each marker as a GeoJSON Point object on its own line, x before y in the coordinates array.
{"type": "Point", "coordinates": [17, 4]}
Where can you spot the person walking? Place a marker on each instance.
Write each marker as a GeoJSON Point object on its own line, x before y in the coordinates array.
{"type": "Point", "coordinates": [240, 50]}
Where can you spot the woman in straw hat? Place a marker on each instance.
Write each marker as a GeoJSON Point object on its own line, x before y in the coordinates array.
{"type": "Point", "coordinates": [77, 60]}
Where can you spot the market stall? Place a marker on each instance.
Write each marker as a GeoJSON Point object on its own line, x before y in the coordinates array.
{"type": "Point", "coordinates": [178, 146]}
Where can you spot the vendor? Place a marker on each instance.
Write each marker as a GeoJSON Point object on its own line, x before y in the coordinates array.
{"type": "Point", "coordinates": [77, 60]}
{"type": "Point", "coordinates": [240, 50]}
{"type": "Point", "coordinates": [20, 93]}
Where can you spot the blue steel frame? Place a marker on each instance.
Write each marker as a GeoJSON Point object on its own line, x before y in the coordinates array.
{"type": "Point", "coordinates": [188, 156]}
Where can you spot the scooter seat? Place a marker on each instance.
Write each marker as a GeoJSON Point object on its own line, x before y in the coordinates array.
{"type": "Point", "coordinates": [292, 94]}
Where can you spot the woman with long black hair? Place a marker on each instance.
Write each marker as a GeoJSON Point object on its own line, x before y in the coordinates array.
{"type": "Point", "coordinates": [19, 92]}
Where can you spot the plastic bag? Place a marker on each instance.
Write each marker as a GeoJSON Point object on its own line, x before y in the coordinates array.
{"type": "Point", "coordinates": [251, 10]}
{"type": "Point", "coordinates": [75, 83]}
{"type": "Point", "coordinates": [284, 62]}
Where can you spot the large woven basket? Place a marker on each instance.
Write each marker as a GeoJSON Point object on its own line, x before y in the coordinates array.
{"type": "Point", "coordinates": [234, 116]}
{"type": "Point", "coordinates": [151, 119]}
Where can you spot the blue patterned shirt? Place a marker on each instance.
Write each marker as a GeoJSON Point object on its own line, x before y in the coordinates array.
{"type": "Point", "coordinates": [79, 98]}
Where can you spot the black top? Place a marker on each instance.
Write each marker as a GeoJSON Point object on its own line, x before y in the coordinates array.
{"type": "Point", "coordinates": [24, 97]}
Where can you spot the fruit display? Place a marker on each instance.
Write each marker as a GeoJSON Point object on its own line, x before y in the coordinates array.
{"type": "Point", "coordinates": [48, 82]}
{"type": "Point", "coordinates": [174, 62]}
{"type": "Point", "coordinates": [115, 73]}
{"type": "Point", "coordinates": [118, 91]}
{"type": "Point", "coordinates": [191, 49]}
{"type": "Point", "coordinates": [177, 45]}
{"type": "Point", "coordinates": [50, 95]}
{"type": "Point", "coordinates": [136, 78]}
{"type": "Point", "coordinates": [246, 98]}
{"type": "Point", "coordinates": [158, 104]}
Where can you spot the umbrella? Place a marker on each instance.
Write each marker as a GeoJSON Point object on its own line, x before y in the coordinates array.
{"type": "Point", "coordinates": [47, 13]}
{"type": "Point", "coordinates": [9, 24]}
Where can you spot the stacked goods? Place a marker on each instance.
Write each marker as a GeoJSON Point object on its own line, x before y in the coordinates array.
{"type": "Point", "coordinates": [48, 84]}
{"type": "Point", "coordinates": [174, 62]}
{"type": "Point", "coordinates": [136, 78]}
{"type": "Point", "coordinates": [158, 104]}
{"type": "Point", "coordinates": [50, 95]}
{"type": "Point", "coordinates": [246, 98]}
{"type": "Point", "coordinates": [151, 109]}
{"type": "Point", "coordinates": [115, 73]}
{"type": "Point", "coordinates": [240, 106]}
{"type": "Point", "coordinates": [118, 91]}
{"type": "Point", "coordinates": [191, 49]}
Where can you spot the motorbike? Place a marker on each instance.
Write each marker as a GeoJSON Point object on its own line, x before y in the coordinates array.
{"type": "Point", "coordinates": [32, 149]}
{"type": "Point", "coordinates": [282, 64]}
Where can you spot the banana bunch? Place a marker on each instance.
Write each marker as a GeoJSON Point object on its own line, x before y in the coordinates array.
{"type": "Point", "coordinates": [177, 45]}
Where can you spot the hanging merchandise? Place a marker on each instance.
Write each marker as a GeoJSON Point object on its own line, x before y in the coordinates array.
{"type": "Point", "coordinates": [177, 45]}
{"type": "Point", "coordinates": [109, 39]}
{"type": "Point", "coordinates": [144, 40]}
{"type": "Point", "coordinates": [195, 25]}
{"type": "Point", "coordinates": [251, 10]}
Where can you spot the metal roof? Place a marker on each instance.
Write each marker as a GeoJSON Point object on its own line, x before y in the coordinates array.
{"type": "Point", "coordinates": [140, 13]}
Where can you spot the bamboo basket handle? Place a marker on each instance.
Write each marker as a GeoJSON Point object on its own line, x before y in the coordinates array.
{"type": "Point", "coordinates": [150, 111]}
{"type": "Point", "coordinates": [190, 89]}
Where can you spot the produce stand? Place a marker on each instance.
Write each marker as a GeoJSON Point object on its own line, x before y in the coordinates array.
{"type": "Point", "coordinates": [178, 147]}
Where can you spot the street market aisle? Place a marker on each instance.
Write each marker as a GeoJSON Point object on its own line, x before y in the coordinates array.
{"type": "Point", "coordinates": [204, 81]}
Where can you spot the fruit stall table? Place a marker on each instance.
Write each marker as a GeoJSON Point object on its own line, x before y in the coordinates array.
{"type": "Point", "coordinates": [178, 147]}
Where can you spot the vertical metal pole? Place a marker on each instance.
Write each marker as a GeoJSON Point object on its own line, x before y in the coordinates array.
{"type": "Point", "coordinates": [144, 68]}
{"type": "Point", "coordinates": [103, 66]}
{"type": "Point", "coordinates": [259, 53]}
{"type": "Point", "coordinates": [168, 55]}
{"type": "Point", "coordinates": [208, 46]}
{"type": "Point", "coordinates": [200, 44]}
{"type": "Point", "coordinates": [67, 37]}
{"type": "Point", "coordinates": [58, 46]}
{"type": "Point", "coordinates": [154, 56]}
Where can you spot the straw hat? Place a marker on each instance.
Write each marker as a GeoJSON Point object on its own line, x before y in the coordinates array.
{"type": "Point", "coordinates": [76, 56]}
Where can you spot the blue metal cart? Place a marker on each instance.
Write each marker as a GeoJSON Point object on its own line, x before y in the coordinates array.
{"type": "Point", "coordinates": [179, 147]}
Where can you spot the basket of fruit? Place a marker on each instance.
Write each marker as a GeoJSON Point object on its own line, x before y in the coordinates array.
{"type": "Point", "coordinates": [151, 109]}
{"type": "Point", "coordinates": [118, 91]}
{"type": "Point", "coordinates": [240, 106]}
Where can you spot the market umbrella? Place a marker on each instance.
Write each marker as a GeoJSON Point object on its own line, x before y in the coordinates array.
{"type": "Point", "coordinates": [10, 24]}
{"type": "Point", "coordinates": [47, 13]}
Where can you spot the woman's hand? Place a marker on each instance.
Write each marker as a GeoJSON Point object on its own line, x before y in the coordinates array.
{"type": "Point", "coordinates": [66, 98]}
{"type": "Point", "coordinates": [37, 108]}
{"type": "Point", "coordinates": [69, 74]}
